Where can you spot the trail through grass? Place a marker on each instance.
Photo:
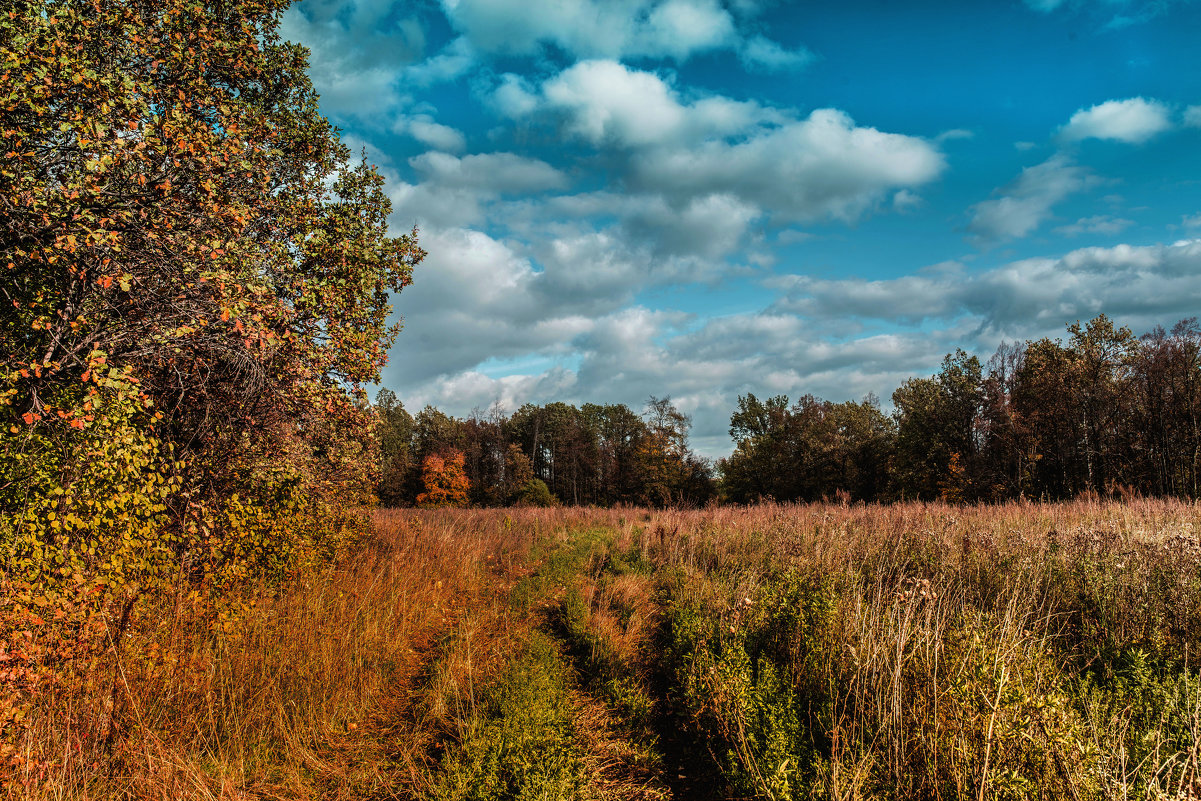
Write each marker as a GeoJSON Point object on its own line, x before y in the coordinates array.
{"type": "Point", "coordinates": [776, 652]}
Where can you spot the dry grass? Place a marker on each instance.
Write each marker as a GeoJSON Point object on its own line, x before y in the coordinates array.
{"type": "Point", "coordinates": [925, 651]}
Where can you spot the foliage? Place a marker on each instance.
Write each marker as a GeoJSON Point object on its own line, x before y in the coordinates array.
{"type": "Point", "coordinates": [535, 493]}
{"type": "Point", "coordinates": [521, 744]}
{"type": "Point", "coordinates": [590, 455]}
{"type": "Point", "coordinates": [1105, 413]}
{"type": "Point", "coordinates": [195, 285]}
{"type": "Point", "coordinates": [808, 450]}
{"type": "Point", "coordinates": [444, 480]}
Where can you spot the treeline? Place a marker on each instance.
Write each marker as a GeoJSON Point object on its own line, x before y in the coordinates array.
{"type": "Point", "coordinates": [1107, 413]}
{"type": "Point", "coordinates": [540, 455]}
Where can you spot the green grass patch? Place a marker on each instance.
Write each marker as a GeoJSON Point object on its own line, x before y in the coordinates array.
{"type": "Point", "coordinates": [520, 744]}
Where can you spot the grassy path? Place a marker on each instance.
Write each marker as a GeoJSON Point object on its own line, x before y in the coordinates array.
{"type": "Point", "coordinates": [566, 718]}
{"type": "Point", "coordinates": [778, 652]}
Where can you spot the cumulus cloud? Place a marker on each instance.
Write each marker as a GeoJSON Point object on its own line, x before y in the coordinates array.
{"type": "Point", "coordinates": [427, 132]}
{"type": "Point", "coordinates": [1192, 116]}
{"type": "Point", "coordinates": [709, 226]}
{"type": "Point", "coordinates": [477, 299]}
{"type": "Point", "coordinates": [707, 152]}
{"type": "Point", "coordinates": [362, 80]}
{"type": "Point", "coordinates": [481, 298]}
{"type": "Point", "coordinates": [1025, 203]}
{"type": "Point", "coordinates": [451, 63]}
{"type": "Point", "coordinates": [1133, 121]}
{"type": "Point", "coordinates": [605, 102]}
{"type": "Point", "coordinates": [1137, 284]}
{"type": "Point", "coordinates": [495, 173]}
{"type": "Point", "coordinates": [458, 191]}
{"type": "Point", "coordinates": [594, 28]}
{"type": "Point", "coordinates": [513, 97]}
{"type": "Point", "coordinates": [824, 166]}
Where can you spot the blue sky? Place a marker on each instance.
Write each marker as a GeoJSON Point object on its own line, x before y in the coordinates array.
{"type": "Point", "coordinates": [699, 198]}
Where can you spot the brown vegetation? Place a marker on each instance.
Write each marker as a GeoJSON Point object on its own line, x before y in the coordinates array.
{"type": "Point", "coordinates": [831, 651]}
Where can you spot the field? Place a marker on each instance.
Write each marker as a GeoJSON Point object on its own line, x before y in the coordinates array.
{"type": "Point", "coordinates": [780, 652]}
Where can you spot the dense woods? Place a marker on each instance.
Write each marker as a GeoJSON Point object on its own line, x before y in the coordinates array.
{"type": "Point", "coordinates": [542, 455]}
{"type": "Point", "coordinates": [1106, 412]}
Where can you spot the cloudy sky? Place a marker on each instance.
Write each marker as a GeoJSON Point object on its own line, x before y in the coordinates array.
{"type": "Point", "coordinates": [699, 198]}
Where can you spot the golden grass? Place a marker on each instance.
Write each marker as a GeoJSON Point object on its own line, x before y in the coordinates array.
{"type": "Point", "coordinates": [955, 640]}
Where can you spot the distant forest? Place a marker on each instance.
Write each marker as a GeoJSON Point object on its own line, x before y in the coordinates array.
{"type": "Point", "coordinates": [1107, 413]}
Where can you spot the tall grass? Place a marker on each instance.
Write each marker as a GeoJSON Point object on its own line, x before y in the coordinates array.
{"type": "Point", "coordinates": [926, 651]}
{"type": "Point", "coordinates": [775, 651]}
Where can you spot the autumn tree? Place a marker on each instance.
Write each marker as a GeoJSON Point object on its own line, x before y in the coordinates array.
{"type": "Point", "coordinates": [936, 429]}
{"type": "Point", "coordinates": [808, 450]}
{"type": "Point", "coordinates": [445, 481]}
{"type": "Point", "coordinates": [191, 260]}
{"type": "Point", "coordinates": [1102, 353]}
{"type": "Point", "coordinates": [1165, 376]}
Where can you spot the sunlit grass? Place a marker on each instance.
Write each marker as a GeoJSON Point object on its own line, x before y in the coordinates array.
{"type": "Point", "coordinates": [827, 651]}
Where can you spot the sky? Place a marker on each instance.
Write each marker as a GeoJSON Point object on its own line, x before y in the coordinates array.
{"type": "Point", "coordinates": [701, 199]}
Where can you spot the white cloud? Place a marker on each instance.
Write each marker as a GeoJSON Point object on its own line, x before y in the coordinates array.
{"type": "Point", "coordinates": [1026, 202]}
{"type": "Point", "coordinates": [357, 53]}
{"type": "Point", "coordinates": [431, 133]}
{"type": "Point", "coordinates": [760, 54]}
{"type": "Point", "coordinates": [514, 97]}
{"type": "Point", "coordinates": [604, 102]}
{"type": "Point", "coordinates": [1133, 121]}
{"type": "Point", "coordinates": [594, 28]}
{"type": "Point", "coordinates": [1098, 224]}
{"type": "Point", "coordinates": [689, 152]}
{"type": "Point", "coordinates": [1192, 116]}
{"type": "Point", "coordinates": [681, 27]}
{"type": "Point", "coordinates": [824, 166]}
{"type": "Point", "coordinates": [711, 226]}
{"type": "Point", "coordinates": [1030, 297]}
{"type": "Point", "coordinates": [954, 134]}
{"type": "Point", "coordinates": [456, 192]}
{"type": "Point", "coordinates": [1191, 222]}
{"type": "Point", "coordinates": [493, 173]}
{"type": "Point", "coordinates": [454, 61]}
{"type": "Point", "coordinates": [476, 298]}
{"type": "Point", "coordinates": [905, 201]}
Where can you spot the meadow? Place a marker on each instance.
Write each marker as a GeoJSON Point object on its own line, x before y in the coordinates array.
{"type": "Point", "coordinates": [775, 651]}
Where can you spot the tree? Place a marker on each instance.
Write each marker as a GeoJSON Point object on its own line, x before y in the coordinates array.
{"type": "Point", "coordinates": [1102, 355]}
{"type": "Point", "coordinates": [669, 472]}
{"type": "Point", "coordinates": [187, 248]}
{"type": "Point", "coordinates": [1166, 409]}
{"type": "Point", "coordinates": [806, 451]}
{"type": "Point", "coordinates": [396, 428]}
{"type": "Point", "coordinates": [445, 481]}
{"type": "Point", "coordinates": [936, 423]}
